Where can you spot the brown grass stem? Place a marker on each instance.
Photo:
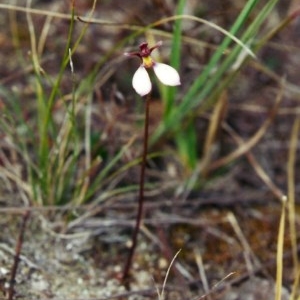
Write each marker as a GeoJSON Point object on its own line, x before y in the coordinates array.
{"type": "Point", "coordinates": [141, 195]}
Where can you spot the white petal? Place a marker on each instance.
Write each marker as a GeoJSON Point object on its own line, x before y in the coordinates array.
{"type": "Point", "coordinates": [141, 81]}
{"type": "Point", "coordinates": [166, 74]}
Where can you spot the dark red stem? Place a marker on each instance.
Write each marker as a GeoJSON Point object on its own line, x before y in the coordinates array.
{"type": "Point", "coordinates": [17, 255]}
{"type": "Point", "coordinates": [141, 196]}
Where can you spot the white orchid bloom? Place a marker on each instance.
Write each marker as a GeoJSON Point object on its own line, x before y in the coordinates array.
{"type": "Point", "coordinates": [141, 81]}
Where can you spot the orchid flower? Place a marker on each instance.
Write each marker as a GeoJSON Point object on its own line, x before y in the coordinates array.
{"type": "Point", "coordinates": [165, 73]}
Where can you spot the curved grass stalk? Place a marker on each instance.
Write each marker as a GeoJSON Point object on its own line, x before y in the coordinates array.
{"type": "Point", "coordinates": [140, 29]}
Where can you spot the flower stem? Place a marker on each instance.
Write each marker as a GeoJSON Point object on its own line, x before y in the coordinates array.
{"type": "Point", "coordinates": [141, 194]}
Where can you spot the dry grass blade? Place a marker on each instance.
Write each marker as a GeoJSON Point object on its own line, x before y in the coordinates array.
{"type": "Point", "coordinates": [217, 118]}
{"type": "Point", "coordinates": [216, 286]}
{"type": "Point", "coordinates": [291, 201]}
{"type": "Point", "coordinates": [279, 257]}
{"type": "Point", "coordinates": [247, 145]}
{"type": "Point", "coordinates": [295, 286]}
{"type": "Point", "coordinates": [162, 295]}
{"type": "Point", "coordinates": [248, 253]}
{"type": "Point", "coordinates": [11, 172]}
{"type": "Point", "coordinates": [33, 41]}
{"type": "Point", "coordinates": [256, 166]}
{"type": "Point", "coordinates": [202, 274]}
{"type": "Point", "coordinates": [30, 10]}
{"type": "Point", "coordinates": [43, 35]}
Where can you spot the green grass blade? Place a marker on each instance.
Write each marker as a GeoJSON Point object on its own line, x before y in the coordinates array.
{"type": "Point", "coordinates": [200, 81]}
{"type": "Point", "coordinates": [186, 141]}
{"type": "Point", "coordinates": [175, 58]}
{"type": "Point", "coordinates": [43, 152]}
{"type": "Point", "coordinates": [206, 84]}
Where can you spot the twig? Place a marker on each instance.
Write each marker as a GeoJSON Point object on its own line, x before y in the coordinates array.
{"type": "Point", "coordinates": [17, 255]}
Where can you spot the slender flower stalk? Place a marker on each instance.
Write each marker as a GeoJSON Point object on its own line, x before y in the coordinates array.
{"type": "Point", "coordinates": [141, 195]}
{"type": "Point", "coordinates": [142, 85]}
